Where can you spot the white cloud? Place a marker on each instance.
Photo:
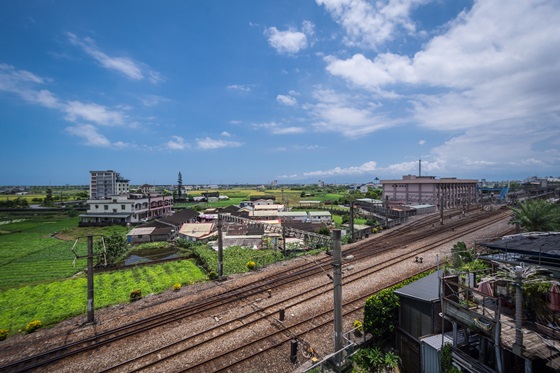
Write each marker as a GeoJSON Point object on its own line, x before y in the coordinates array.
{"type": "Point", "coordinates": [90, 134]}
{"type": "Point", "coordinates": [178, 143]}
{"type": "Point", "coordinates": [226, 134]}
{"type": "Point", "coordinates": [278, 129]}
{"type": "Point", "coordinates": [209, 143]}
{"type": "Point", "coordinates": [385, 69]}
{"type": "Point", "coordinates": [24, 84]}
{"type": "Point", "coordinates": [240, 87]}
{"type": "Point", "coordinates": [292, 130]}
{"type": "Point", "coordinates": [153, 100]}
{"type": "Point", "coordinates": [123, 65]}
{"type": "Point", "coordinates": [369, 24]}
{"type": "Point", "coordinates": [352, 116]}
{"type": "Point", "coordinates": [286, 100]}
{"type": "Point", "coordinates": [365, 168]}
{"type": "Point", "coordinates": [421, 142]}
{"type": "Point", "coordinates": [290, 41]}
{"type": "Point", "coordinates": [91, 112]}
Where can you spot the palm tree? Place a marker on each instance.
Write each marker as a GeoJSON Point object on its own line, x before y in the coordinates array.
{"type": "Point", "coordinates": [537, 216]}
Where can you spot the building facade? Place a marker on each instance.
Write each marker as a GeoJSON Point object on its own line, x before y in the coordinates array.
{"type": "Point", "coordinates": [105, 184]}
{"type": "Point", "coordinates": [418, 190]}
{"type": "Point", "coordinates": [131, 208]}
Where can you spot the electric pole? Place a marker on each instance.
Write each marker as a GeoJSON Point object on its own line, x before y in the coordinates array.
{"type": "Point", "coordinates": [337, 287]}
{"type": "Point", "coordinates": [220, 249]}
{"type": "Point", "coordinates": [90, 307]}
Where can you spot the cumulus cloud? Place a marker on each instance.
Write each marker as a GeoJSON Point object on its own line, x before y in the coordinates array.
{"type": "Point", "coordinates": [123, 65]}
{"type": "Point", "coordinates": [369, 24]}
{"type": "Point", "coordinates": [208, 143]}
{"type": "Point", "coordinates": [289, 41]}
{"type": "Point", "coordinates": [365, 168]}
{"type": "Point", "coordinates": [178, 143]}
{"type": "Point", "coordinates": [286, 100]}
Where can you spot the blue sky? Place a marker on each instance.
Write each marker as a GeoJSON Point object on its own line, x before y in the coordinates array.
{"type": "Point", "coordinates": [297, 91]}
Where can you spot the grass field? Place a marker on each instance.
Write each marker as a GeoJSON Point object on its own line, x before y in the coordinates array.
{"type": "Point", "coordinates": [58, 300]}
{"type": "Point", "coordinates": [30, 254]}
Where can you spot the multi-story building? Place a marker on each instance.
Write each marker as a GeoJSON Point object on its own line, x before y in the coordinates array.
{"type": "Point", "coordinates": [122, 209]}
{"type": "Point", "coordinates": [417, 190]}
{"type": "Point", "coordinates": [106, 184]}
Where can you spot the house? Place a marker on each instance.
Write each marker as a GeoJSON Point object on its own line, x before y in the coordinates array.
{"type": "Point", "coordinates": [419, 317]}
{"type": "Point", "coordinates": [301, 216]}
{"type": "Point", "coordinates": [164, 229]}
{"type": "Point", "coordinates": [197, 231]}
{"type": "Point", "coordinates": [320, 217]}
{"type": "Point", "coordinates": [497, 324]}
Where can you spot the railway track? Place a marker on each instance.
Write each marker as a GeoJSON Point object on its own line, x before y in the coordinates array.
{"type": "Point", "coordinates": [403, 235]}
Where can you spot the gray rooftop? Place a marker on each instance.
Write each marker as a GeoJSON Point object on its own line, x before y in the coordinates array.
{"type": "Point", "coordinates": [426, 289]}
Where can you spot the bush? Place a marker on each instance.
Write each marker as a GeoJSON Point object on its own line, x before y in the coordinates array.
{"type": "Point", "coordinates": [3, 334]}
{"type": "Point", "coordinates": [212, 275]}
{"type": "Point", "coordinates": [33, 325]}
{"type": "Point", "coordinates": [250, 264]}
{"type": "Point", "coordinates": [135, 295]}
{"type": "Point", "coordinates": [177, 287]}
{"type": "Point", "coordinates": [358, 325]}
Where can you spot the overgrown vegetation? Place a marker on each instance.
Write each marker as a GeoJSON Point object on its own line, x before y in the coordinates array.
{"type": "Point", "coordinates": [381, 311]}
{"type": "Point", "coordinates": [375, 360]}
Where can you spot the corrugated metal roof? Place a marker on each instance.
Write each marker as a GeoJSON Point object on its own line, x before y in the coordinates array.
{"type": "Point", "coordinates": [141, 231]}
{"type": "Point", "coordinates": [319, 213]}
{"type": "Point", "coordinates": [435, 341]}
{"type": "Point", "coordinates": [425, 289]}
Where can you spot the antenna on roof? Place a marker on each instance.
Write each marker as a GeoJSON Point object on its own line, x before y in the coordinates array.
{"type": "Point", "coordinates": [420, 166]}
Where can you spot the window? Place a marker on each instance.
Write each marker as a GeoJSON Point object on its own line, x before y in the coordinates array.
{"type": "Point", "coordinates": [106, 207]}
{"type": "Point", "coordinates": [122, 207]}
{"type": "Point", "coordinates": [96, 206]}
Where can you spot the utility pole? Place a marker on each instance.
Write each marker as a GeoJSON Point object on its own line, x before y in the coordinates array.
{"type": "Point", "coordinates": [90, 306]}
{"type": "Point", "coordinates": [220, 249]}
{"type": "Point", "coordinates": [337, 287]}
{"type": "Point", "coordinates": [352, 221]}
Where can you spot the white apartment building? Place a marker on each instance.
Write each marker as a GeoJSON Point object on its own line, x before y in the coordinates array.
{"type": "Point", "coordinates": [106, 184]}
{"type": "Point", "coordinates": [122, 209]}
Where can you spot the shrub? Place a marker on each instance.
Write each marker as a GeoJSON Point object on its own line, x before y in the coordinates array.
{"type": "Point", "coordinates": [135, 295]}
{"type": "Point", "coordinates": [33, 325]}
{"type": "Point", "coordinates": [3, 334]}
{"type": "Point", "coordinates": [212, 275]}
{"type": "Point", "coordinates": [358, 325]}
{"type": "Point", "coordinates": [250, 264]}
{"type": "Point", "coordinates": [177, 287]}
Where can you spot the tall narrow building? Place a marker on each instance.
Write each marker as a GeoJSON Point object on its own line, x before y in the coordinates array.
{"type": "Point", "coordinates": [105, 184]}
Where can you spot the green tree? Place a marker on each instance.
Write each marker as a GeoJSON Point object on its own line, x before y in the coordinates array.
{"type": "Point", "coordinates": [381, 313]}
{"type": "Point", "coordinates": [49, 200]}
{"type": "Point", "coordinates": [115, 246]}
{"type": "Point", "coordinates": [537, 216]}
{"type": "Point", "coordinates": [179, 185]}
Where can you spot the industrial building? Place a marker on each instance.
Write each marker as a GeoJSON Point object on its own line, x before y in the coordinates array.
{"type": "Point", "coordinates": [419, 190]}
